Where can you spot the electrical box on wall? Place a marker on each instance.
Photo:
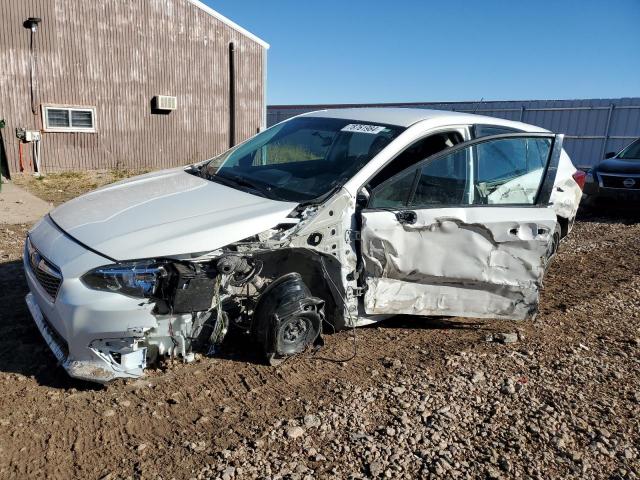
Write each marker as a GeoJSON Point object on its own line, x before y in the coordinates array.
{"type": "Point", "coordinates": [165, 103]}
{"type": "Point", "coordinates": [32, 136]}
{"type": "Point", "coordinates": [28, 136]}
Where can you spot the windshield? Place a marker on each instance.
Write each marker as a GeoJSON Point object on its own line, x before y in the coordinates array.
{"type": "Point", "coordinates": [301, 159]}
{"type": "Point", "coordinates": [631, 152]}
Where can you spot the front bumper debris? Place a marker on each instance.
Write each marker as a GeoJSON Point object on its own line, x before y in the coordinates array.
{"type": "Point", "coordinates": [102, 369]}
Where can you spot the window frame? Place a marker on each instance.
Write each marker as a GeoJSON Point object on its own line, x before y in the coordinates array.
{"type": "Point", "coordinates": [542, 196]}
{"type": "Point", "coordinates": [469, 181]}
{"type": "Point", "coordinates": [463, 129]}
{"type": "Point", "coordinates": [507, 130]}
{"type": "Point", "coordinates": [69, 109]}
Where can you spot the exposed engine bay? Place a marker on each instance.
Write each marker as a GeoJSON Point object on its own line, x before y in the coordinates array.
{"type": "Point", "coordinates": [280, 289]}
{"type": "Point", "coordinates": [280, 313]}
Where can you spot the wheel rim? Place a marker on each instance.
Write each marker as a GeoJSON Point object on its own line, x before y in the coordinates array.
{"type": "Point", "coordinates": [295, 331]}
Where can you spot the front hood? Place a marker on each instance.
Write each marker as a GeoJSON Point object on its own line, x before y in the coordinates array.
{"type": "Point", "coordinates": [617, 165]}
{"type": "Point", "coordinates": [166, 213]}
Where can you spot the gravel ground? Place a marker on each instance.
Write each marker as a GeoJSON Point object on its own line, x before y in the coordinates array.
{"type": "Point", "coordinates": [455, 398]}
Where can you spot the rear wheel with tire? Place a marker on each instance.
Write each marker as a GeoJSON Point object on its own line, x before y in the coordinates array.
{"type": "Point", "coordinates": [554, 245]}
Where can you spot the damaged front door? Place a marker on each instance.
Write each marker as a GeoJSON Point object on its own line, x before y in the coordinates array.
{"type": "Point", "coordinates": [466, 232]}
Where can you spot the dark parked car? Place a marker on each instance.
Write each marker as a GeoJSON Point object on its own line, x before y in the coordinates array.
{"type": "Point", "coordinates": [617, 177]}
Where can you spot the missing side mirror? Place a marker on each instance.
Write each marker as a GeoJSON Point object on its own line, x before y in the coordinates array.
{"type": "Point", "coordinates": [362, 199]}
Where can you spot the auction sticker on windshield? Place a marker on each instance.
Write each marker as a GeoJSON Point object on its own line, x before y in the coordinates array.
{"type": "Point", "coordinates": [360, 128]}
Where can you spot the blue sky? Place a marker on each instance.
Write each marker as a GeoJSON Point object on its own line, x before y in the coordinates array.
{"type": "Point", "coordinates": [355, 51]}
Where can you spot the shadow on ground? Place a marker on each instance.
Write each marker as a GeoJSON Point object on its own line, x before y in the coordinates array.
{"type": "Point", "coordinates": [608, 211]}
{"type": "Point", "coordinates": [22, 349]}
{"type": "Point", "coordinates": [431, 323]}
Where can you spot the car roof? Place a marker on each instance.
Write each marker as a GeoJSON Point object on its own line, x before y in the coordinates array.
{"type": "Point", "coordinates": [405, 117]}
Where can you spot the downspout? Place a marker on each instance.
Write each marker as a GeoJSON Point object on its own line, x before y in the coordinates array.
{"type": "Point", "coordinates": [264, 89]}
{"type": "Point", "coordinates": [4, 163]}
{"type": "Point", "coordinates": [232, 94]}
{"type": "Point", "coordinates": [31, 24]}
{"type": "Point", "coordinates": [32, 72]}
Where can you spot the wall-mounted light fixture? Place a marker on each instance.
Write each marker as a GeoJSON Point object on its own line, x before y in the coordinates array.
{"type": "Point", "coordinates": [31, 23]}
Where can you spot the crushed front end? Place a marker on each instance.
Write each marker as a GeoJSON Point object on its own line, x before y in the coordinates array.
{"type": "Point", "coordinates": [105, 320]}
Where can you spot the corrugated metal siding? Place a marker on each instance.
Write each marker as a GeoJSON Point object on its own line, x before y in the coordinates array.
{"type": "Point", "coordinates": [116, 55]}
{"type": "Point", "coordinates": [593, 127]}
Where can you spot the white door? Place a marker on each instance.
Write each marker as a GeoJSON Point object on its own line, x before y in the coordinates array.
{"type": "Point", "coordinates": [466, 232]}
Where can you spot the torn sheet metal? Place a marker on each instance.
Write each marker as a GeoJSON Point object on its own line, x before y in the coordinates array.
{"type": "Point", "coordinates": [446, 264]}
{"type": "Point", "coordinates": [385, 295]}
{"type": "Point", "coordinates": [565, 198]}
{"type": "Point", "coordinates": [566, 194]}
{"type": "Point", "coordinates": [336, 232]}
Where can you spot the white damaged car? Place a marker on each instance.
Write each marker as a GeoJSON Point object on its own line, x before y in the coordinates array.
{"type": "Point", "coordinates": [328, 220]}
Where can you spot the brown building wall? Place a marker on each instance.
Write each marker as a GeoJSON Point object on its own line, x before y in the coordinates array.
{"type": "Point", "coordinates": [115, 55]}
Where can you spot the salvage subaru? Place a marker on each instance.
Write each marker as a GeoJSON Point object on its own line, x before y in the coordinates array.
{"type": "Point", "coordinates": [329, 220]}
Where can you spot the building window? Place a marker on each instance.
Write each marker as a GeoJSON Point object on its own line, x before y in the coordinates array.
{"type": "Point", "coordinates": [69, 119]}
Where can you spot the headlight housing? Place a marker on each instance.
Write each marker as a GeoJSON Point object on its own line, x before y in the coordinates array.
{"type": "Point", "coordinates": [135, 279]}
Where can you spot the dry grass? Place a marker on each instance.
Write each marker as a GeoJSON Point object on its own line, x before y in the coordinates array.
{"type": "Point", "coordinates": [59, 187]}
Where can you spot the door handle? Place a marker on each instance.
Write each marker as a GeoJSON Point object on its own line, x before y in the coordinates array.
{"type": "Point", "coordinates": [406, 217]}
{"type": "Point", "coordinates": [533, 230]}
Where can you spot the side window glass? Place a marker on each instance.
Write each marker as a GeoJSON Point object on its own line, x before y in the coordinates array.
{"type": "Point", "coordinates": [443, 181]}
{"type": "Point", "coordinates": [480, 131]}
{"type": "Point", "coordinates": [504, 171]}
{"type": "Point", "coordinates": [394, 194]}
{"type": "Point", "coordinates": [417, 152]}
{"type": "Point", "coordinates": [510, 171]}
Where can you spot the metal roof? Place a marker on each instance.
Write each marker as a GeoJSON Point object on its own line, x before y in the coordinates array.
{"type": "Point", "coordinates": [228, 22]}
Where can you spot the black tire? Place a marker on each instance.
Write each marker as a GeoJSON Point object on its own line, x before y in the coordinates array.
{"type": "Point", "coordinates": [555, 244]}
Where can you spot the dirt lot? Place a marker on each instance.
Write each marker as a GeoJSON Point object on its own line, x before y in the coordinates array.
{"type": "Point", "coordinates": [423, 397]}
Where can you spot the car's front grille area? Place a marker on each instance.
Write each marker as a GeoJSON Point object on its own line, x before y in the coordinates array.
{"type": "Point", "coordinates": [47, 274]}
{"type": "Point", "coordinates": [630, 182]}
